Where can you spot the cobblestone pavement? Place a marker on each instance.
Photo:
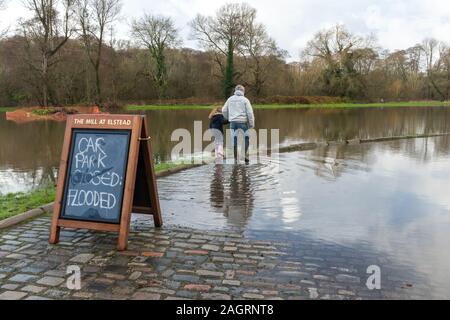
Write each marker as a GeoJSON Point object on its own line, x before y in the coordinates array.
{"type": "Point", "coordinates": [178, 263]}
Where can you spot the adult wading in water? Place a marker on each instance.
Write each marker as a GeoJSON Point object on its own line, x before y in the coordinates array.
{"type": "Point", "coordinates": [239, 112]}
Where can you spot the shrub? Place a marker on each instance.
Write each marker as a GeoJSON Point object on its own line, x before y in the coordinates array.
{"type": "Point", "coordinates": [44, 111]}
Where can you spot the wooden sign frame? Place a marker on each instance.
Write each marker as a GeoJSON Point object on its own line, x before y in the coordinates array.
{"type": "Point", "coordinates": [140, 147]}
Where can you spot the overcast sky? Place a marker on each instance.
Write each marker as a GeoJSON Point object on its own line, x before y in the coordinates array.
{"type": "Point", "coordinates": [397, 24]}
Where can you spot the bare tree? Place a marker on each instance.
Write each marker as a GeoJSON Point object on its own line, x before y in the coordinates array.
{"type": "Point", "coordinates": [430, 49]}
{"type": "Point", "coordinates": [48, 31]}
{"type": "Point", "coordinates": [224, 35]}
{"type": "Point", "coordinates": [95, 18]}
{"type": "Point", "coordinates": [445, 65]}
{"type": "Point", "coordinates": [157, 34]}
{"type": "Point", "coordinates": [338, 48]}
{"type": "Point", "coordinates": [263, 52]}
{"type": "Point", "coordinates": [2, 7]}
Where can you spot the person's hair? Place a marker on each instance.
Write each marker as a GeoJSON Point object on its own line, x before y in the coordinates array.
{"type": "Point", "coordinates": [215, 111]}
{"type": "Point", "coordinates": [241, 88]}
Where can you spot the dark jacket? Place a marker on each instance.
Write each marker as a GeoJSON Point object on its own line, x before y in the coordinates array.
{"type": "Point", "coordinates": [217, 122]}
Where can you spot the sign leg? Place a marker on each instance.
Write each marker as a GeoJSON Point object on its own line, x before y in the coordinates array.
{"type": "Point", "coordinates": [151, 177]}
{"type": "Point", "coordinates": [123, 242]}
{"type": "Point", "coordinates": [54, 234]}
{"type": "Point", "coordinates": [130, 183]}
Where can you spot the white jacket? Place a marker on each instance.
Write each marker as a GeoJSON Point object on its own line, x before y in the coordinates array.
{"type": "Point", "coordinates": [239, 109]}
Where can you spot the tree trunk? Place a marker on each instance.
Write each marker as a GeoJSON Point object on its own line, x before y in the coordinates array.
{"type": "Point", "coordinates": [161, 75]}
{"type": "Point", "coordinates": [45, 81]}
{"type": "Point", "coordinates": [98, 89]}
{"type": "Point", "coordinates": [228, 82]}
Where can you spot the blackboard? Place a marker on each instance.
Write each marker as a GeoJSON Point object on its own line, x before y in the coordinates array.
{"type": "Point", "coordinates": [96, 173]}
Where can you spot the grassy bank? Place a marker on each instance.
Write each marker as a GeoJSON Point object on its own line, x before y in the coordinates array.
{"type": "Point", "coordinates": [6, 109]}
{"type": "Point", "coordinates": [300, 106]}
{"type": "Point", "coordinates": [284, 106]}
{"type": "Point", "coordinates": [17, 203]}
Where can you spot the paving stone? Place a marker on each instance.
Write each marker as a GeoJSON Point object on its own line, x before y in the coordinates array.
{"type": "Point", "coordinates": [187, 294]}
{"type": "Point", "coordinates": [197, 252]}
{"type": "Point", "coordinates": [10, 286]}
{"type": "Point", "coordinates": [187, 278]}
{"type": "Point", "coordinates": [182, 263]}
{"type": "Point", "coordinates": [253, 296]}
{"type": "Point", "coordinates": [160, 290]}
{"type": "Point", "coordinates": [135, 275]}
{"type": "Point", "coordinates": [16, 256]}
{"type": "Point", "coordinates": [231, 282]}
{"type": "Point", "coordinates": [82, 258]}
{"type": "Point", "coordinates": [12, 295]}
{"type": "Point", "coordinates": [33, 289]}
{"type": "Point", "coordinates": [7, 248]}
{"type": "Point", "coordinates": [210, 247]}
{"type": "Point", "coordinates": [23, 278]}
{"type": "Point", "coordinates": [82, 295]}
{"type": "Point", "coordinates": [56, 294]}
{"type": "Point", "coordinates": [197, 287]}
{"type": "Point", "coordinates": [51, 281]}
{"type": "Point", "coordinates": [347, 278]}
{"type": "Point", "coordinates": [153, 254]}
{"type": "Point", "coordinates": [215, 296]}
{"type": "Point", "coordinates": [209, 273]}
{"type": "Point", "coordinates": [146, 296]}
{"type": "Point", "coordinates": [37, 298]}
{"type": "Point", "coordinates": [56, 273]}
{"type": "Point", "coordinates": [348, 293]}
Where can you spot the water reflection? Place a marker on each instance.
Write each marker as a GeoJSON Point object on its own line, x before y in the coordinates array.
{"type": "Point", "coordinates": [239, 201]}
{"type": "Point", "coordinates": [217, 189]}
{"type": "Point", "coordinates": [27, 149]}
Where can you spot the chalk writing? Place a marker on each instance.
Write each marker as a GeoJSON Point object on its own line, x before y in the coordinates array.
{"type": "Point", "coordinates": [96, 175]}
{"type": "Point", "coordinates": [102, 122]}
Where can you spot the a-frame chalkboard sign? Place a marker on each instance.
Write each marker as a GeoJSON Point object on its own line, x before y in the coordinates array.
{"type": "Point", "coordinates": [106, 173]}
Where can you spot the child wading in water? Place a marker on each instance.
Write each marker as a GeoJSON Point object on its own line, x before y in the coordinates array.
{"type": "Point", "coordinates": [216, 123]}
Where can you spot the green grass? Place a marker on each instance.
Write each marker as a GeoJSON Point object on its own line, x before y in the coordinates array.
{"type": "Point", "coordinates": [44, 112]}
{"type": "Point", "coordinates": [16, 203]}
{"type": "Point", "coordinates": [166, 107]}
{"type": "Point", "coordinates": [167, 166]}
{"type": "Point", "coordinates": [301, 106]}
{"type": "Point", "coordinates": [7, 109]}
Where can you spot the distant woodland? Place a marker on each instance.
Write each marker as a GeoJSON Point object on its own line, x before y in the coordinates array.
{"type": "Point", "coordinates": [69, 53]}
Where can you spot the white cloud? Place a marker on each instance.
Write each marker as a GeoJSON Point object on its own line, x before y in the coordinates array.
{"type": "Point", "coordinates": [397, 24]}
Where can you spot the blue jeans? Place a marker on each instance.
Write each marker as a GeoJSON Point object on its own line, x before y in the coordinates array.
{"type": "Point", "coordinates": [235, 128]}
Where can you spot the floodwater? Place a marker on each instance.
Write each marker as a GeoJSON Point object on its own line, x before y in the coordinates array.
{"type": "Point", "coordinates": [29, 153]}
{"type": "Point", "coordinates": [390, 197]}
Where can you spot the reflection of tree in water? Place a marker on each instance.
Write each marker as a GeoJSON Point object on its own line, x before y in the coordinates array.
{"type": "Point", "coordinates": [235, 197]}
{"type": "Point", "coordinates": [327, 161]}
{"type": "Point", "coordinates": [330, 162]}
{"type": "Point", "coordinates": [43, 177]}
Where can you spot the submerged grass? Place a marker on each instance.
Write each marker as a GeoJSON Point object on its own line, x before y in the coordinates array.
{"type": "Point", "coordinates": [7, 109]}
{"type": "Point", "coordinates": [300, 106]}
{"type": "Point", "coordinates": [16, 203]}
